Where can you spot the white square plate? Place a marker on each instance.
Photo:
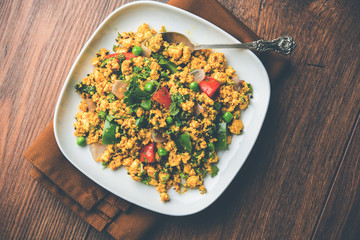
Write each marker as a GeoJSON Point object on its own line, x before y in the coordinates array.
{"type": "Point", "coordinates": [128, 18]}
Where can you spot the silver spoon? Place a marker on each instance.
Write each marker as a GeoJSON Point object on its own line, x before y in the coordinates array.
{"type": "Point", "coordinates": [282, 44]}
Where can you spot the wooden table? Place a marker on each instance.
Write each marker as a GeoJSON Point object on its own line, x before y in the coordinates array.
{"type": "Point", "coordinates": [302, 179]}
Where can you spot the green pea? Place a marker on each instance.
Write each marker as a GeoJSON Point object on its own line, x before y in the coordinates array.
{"type": "Point", "coordinates": [149, 87]}
{"type": "Point", "coordinates": [169, 120]}
{"type": "Point", "coordinates": [162, 152]}
{"type": "Point", "coordinates": [194, 86]}
{"type": "Point", "coordinates": [146, 105]}
{"type": "Point", "coordinates": [137, 51]}
{"type": "Point", "coordinates": [81, 141]}
{"type": "Point", "coordinates": [227, 117]}
{"type": "Point", "coordinates": [102, 115]}
{"type": "Point", "coordinates": [211, 146]}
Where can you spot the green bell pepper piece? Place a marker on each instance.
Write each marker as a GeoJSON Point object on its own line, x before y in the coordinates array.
{"type": "Point", "coordinates": [146, 105]}
{"type": "Point", "coordinates": [105, 61]}
{"type": "Point", "coordinates": [221, 136]}
{"type": "Point", "coordinates": [110, 129]}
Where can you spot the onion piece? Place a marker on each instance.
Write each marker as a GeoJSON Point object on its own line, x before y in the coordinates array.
{"type": "Point", "coordinates": [198, 109]}
{"type": "Point", "coordinates": [119, 88]}
{"type": "Point", "coordinates": [90, 104]}
{"type": "Point", "coordinates": [157, 137]}
{"type": "Point", "coordinates": [146, 50]}
{"type": "Point", "coordinates": [199, 75]}
{"type": "Point", "coordinates": [238, 82]}
{"type": "Point", "coordinates": [97, 150]}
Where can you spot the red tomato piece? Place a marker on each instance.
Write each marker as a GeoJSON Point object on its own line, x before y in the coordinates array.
{"type": "Point", "coordinates": [162, 96]}
{"type": "Point", "coordinates": [209, 86]}
{"type": "Point", "coordinates": [148, 153]}
{"type": "Point", "coordinates": [129, 55]}
{"type": "Point", "coordinates": [112, 55]}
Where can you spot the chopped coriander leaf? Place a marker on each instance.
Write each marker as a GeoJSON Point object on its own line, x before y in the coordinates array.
{"type": "Point", "coordinates": [139, 121]}
{"type": "Point", "coordinates": [102, 115]}
{"type": "Point", "coordinates": [110, 117]}
{"type": "Point", "coordinates": [131, 111]}
{"type": "Point", "coordinates": [183, 143]}
{"type": "Point", "coordinates": [178, 123]}
{"type": "Point", "coordinates": [214, 170]}
{"type": "Point", "coordinates": [173, 109]}
{"type": "Point", "coordinates": [120, 57]}
{"type": "Point", "coordinates": [164, 75]}
{"type": "Point", "coordinates": [82, 88]}
{"type": "Point", "coordinates": [134, 94]}
{"type": "Point", "coordinates": [105, 164]}
{"type": "Point", "coordinates": [146, 179]}
{"type": "Point", "coordinates": [170, 132]}
{"type": "Point", "coordinates": [177, 97]}
{"type": "Point", "coordinates": [137, 69]}
{"type": "Point", "coordinates": [165, 177]}
{"type": "Point", "coordinates": [111, 97]}
{"type": "Point", "coordinates": [217, 106]}
{"type": "Point", "coordinates": [167, 64]}
{"type": "Point", "coordinates": [251, 89]}
{"type": "Point", "coordinates": [183, 175]}
{"type": "Point", "coordinates": [106, 61]}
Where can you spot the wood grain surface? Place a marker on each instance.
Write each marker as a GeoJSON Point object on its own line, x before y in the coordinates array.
{"type": "Point", "coordinates": [302, 178]}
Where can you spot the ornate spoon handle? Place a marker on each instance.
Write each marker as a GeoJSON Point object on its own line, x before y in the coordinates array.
{"type": "Point", "coordinates": [282, 44]}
